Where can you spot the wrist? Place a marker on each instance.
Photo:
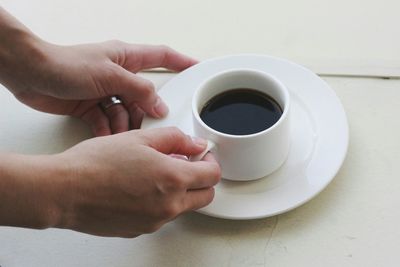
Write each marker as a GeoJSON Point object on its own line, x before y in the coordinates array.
{"type": "Point", "coordinates": [30, 191]}
{"type": "Point", "coordinates": [21, 53]}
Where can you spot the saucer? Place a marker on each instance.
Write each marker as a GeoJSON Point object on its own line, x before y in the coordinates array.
{"type": "Point", "coordinates": [319, 137]}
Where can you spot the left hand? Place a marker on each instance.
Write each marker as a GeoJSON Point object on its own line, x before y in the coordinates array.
{"type": "Point", "coordinates": [73, 80]}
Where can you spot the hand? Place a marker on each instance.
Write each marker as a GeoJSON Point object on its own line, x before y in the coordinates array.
{"type": "Point", "coordinates": [127, 184]}
{"type": "Point", "coordinates": [73, 80]}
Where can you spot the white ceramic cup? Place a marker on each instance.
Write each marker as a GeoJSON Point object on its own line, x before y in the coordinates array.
{"type": "Point", "coordinates": [244, 157]}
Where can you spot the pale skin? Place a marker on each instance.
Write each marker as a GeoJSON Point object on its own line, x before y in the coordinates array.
{"type": "Point", "coordinates": [121, 183]}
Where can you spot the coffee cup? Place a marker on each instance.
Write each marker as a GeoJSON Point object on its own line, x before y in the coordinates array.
{"type": "Point", "coordinates": [244, 150]}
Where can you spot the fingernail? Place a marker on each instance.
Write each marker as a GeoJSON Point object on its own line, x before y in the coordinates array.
{"type": "Point", "coordinates": [199, 141]}
{"type": "Point", "coordinates": [160, 108]}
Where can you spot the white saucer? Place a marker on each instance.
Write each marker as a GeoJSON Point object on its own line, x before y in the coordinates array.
{"type": "Point", "coordinates": [319, 137]}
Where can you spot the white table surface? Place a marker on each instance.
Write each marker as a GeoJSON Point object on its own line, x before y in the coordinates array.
{"type": "Point", "coordinates": [353, 222]}
{"type": "Point", "coordinates": [358, 37]}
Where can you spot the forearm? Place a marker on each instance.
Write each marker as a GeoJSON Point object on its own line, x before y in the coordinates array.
{"type": "Point", "coordinates": [10, 26]}
{"type": "Point", "coordinates": [20, 51]}
{"type": "Point", "coordinates": [28, 191]}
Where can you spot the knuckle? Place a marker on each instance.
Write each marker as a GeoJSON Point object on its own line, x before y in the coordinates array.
{"type": "Point", "coordinates": [167, 52]}
{"type": "Point", "coordinates": [174, 182]}
{"type": "Point", "coordinates": [152, 227]}
{"type": "Point", "coordinates": [176, 134]}
{"type": "Point", "coordinates": [206, 199]}
{"type": "Point", "coordinates": [171, 210]}
{"type": "Point", "coordinates": [147, 89]}
{"type": "Point", "coordinates": [216, 172]}
{"type": "Point", "coordinates": [129, 235]}
{"type": "Point", "coordinates": [165, 48]}
{"type": "Point", "coordinates": [174, 130]}
{"type": "Point", "coordinates": [101, 130]}
{"type": "Point", "coordinates": [115, 43]}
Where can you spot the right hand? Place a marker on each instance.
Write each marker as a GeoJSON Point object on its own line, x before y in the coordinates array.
{"type": "Point", "coordinates": [127, 184]}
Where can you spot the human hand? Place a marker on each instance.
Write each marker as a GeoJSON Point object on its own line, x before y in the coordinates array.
{"type": "Point", "coordinates": [127, 184]}
{"type": "Point", "coordinates": [73, 80]}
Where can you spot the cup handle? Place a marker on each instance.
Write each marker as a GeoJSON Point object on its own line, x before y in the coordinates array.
{"type": "Point", "coordinates": [198, 157]}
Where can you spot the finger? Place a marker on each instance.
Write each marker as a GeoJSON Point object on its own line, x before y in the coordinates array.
{"type": "Point", "coordinates": [200, 174]}
{"type": "Point", "coordinates": [209, 157]}
{"type": "Point", "coordinates": [136, 116]}
{"type": "Point", "coordinates": [118, 117]}
{"type": "Point", "coordinates": [139, 57]}
{"type": "Point", "coordinates": [171, 140]}
{"type": "Point", "coordinates": [196, 199]}
{"type": "Point", "coordinates": [97, 121]}
{"type": "Point", "coordinates": [136, 90]}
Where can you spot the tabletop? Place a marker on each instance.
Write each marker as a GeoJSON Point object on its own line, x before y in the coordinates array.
{"type": "Point", "coordinates": [353, 222]}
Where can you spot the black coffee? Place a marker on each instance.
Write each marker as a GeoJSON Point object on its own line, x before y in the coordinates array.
{"type": "Point", "coordinates": [241, 111]}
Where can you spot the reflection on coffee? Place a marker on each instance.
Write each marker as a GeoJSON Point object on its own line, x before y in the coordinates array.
{"type": "Point", "coordinates": [241, 111]}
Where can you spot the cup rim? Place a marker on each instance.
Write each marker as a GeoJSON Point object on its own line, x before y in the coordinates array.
{"type": "Point", "coordinates": [265, 74]}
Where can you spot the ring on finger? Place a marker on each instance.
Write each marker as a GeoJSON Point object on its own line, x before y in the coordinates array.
{"type": "Point", "coordinates": [109, 102]}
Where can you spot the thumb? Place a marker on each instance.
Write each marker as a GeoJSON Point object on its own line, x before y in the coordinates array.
{"type": "Point", "coordinates": [134, 89]}
{"type": "Point", "coordinates": [171, 140]}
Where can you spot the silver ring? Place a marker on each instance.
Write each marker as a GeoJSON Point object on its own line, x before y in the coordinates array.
{"type": "Point", "coordinates": [109, 102]}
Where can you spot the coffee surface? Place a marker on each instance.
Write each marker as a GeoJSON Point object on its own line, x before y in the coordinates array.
{"type": "Point", "coordinates": [241, 111]}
